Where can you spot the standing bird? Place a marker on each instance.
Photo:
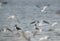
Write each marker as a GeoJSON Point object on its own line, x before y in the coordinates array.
{"type": "Point", "coordinates": [42, 23]}
{"type": "Point", "coordinates": [17, 27]}
{"type": "Point", "coordinates": [24, 34]}
{"type": "Point", "coordinates": [37, 30]}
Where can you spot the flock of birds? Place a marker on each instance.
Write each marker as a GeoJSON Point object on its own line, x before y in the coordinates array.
{"type": "Point", "coordinates": [27, 34]}
{"type": "Point", "coordinates": [37, 25]}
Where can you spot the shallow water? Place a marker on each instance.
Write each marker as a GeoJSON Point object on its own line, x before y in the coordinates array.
{"type": "Point", "coordinates": [27, 11]}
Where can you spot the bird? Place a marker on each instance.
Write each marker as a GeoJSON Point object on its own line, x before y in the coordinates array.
{"type": "Point", "coordinates": [9, 29]}
{"type": "Point", "coordinates": [37, 30]}
{"type": "Point", "coordinates": [42, 23]}
{"type": "Point", "coordinates": [2, 3]}
{"type": "Point", "coordinates": [45, 7]}
{"type": "Point", "coordinates": [50, 29]}
{"type": "Point", "coordinates": [5, 30]}
{"type": "Point", "coordinates": [18, 30]}
{"type": "Point", "coordinates": [46, 22]}
{"type": "Point", "coordinates": [12, 17]}
{"type": "Point", "coordinates": [2, 30]}
{"type": "Point", "coordinates": [44, 38]}
{"type": "Point", "coordinates": [17, 27]}
{"type": "Point", "coordinates": [24, 35]}
{"type": "Point", "coordinates": [33, 22]}
{"type": "Point", "coordinates": [53, 24]}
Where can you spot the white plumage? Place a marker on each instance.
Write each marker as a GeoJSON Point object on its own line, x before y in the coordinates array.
{"type": "Point", "coordinates": [44, 38]}
{"type": "Point", "coordinates": [54, 23]}
{"type": "Point", "coordinates": [11, 17]}
{"type": "Point", "coordinates": [44, 8]}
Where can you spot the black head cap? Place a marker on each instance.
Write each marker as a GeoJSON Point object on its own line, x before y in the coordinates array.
{"type": "Point", "coordinates": [15, 25]}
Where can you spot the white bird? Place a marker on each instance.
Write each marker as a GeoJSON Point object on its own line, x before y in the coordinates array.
{"type": "Point", "coordinates": [44, 8]}
{"type": "Point", "coordinates": [11, 17]}
{"type": "Point", "coordinates": [44, 38]}
{"type": "Point", "coordinates": [55, 23]}
{"type": "Point", "coordinates": [42, 23]}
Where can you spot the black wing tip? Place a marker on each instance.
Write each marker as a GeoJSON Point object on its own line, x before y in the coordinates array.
{"type": "Point", "coordinates": [46, 21]}
{"type": "Point", "coordinates": [33, 22]}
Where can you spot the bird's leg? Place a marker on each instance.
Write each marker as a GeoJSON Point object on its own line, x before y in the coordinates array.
{"type": "Point", "coordinates": [36, 30]}
{"type": "Point", "coordinates": [18, 34]}
{"type": "Point", "coordinates": [34, 34]}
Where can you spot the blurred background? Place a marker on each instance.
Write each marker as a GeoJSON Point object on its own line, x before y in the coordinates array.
{"type": "Point", "coordinates": [26, 11]}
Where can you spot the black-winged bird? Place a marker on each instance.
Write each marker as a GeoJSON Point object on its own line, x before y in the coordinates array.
{"type": "Point", "coordinates": [45, 21]}
{"type": "Point", "coordinates": [9, 29]}
{"type": "Point", "coordinates": [17, 27]}
{"type": "Point", "coordinates": [33, 22]}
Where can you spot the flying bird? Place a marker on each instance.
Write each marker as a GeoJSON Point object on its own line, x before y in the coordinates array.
{"type": "Point", "coordinates": [9, 29]}
{"type": "Point", "coordinates": [5, 30]}
{"type": "Point", "coordinates": [33, 22]}
{"type": "Point", "coordinates": [55, 23]}
{"type": "Point", "coordinates": [46, 22]}
{"type": "Point", "coordinates": [42, 23]}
